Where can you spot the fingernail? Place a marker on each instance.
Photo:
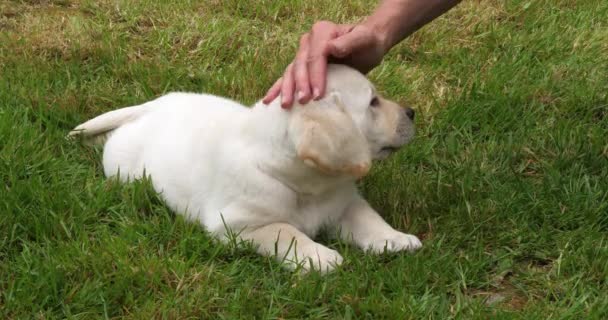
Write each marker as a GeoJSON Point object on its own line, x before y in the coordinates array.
{"type": "Point", "coordinates": [299, 96]}
{"type": "Point", "coordinates": [285, 104]}
{"type": "Point", "coordinates": [316, 93]}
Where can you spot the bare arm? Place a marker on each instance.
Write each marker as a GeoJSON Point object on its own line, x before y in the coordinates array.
{"type": "Point", "coordinates": [395, 20]}
{"type": "Point", "coordinates": [361, 46]}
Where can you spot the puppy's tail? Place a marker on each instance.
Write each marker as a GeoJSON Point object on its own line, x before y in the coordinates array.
{"type": "Point", "coordinates": [98, 129]}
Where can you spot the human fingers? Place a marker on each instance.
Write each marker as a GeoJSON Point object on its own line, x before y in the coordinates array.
{"type": "Point", "coordinates": [302, 81]}
{"type": "Point", "coordinates": [322, 32]}
{"type": "Point", "coordinates": [273, 92]}
{"type": "Point", "coordinates": [287, 88]}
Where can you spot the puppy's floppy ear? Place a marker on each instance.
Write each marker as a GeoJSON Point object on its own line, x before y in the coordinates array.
{"type": "Point", "coordinates": [326, 138]}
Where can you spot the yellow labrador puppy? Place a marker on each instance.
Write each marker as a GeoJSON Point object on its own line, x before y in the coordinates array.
{"type": "Point", "coordinates": [271, 176]}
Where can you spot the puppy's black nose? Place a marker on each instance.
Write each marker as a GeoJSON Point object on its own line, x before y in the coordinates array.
{"type": "Point", "coordinates": [410, 113]}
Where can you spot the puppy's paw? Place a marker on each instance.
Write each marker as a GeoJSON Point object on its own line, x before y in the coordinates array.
{"type": "Point", "coordinates": [396, 241]}
{"type": "Point", "coordinates": [318, 257]}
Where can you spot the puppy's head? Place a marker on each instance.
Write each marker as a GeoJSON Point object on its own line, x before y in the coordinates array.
{"type": "Point", "coordinates": [350, 126]}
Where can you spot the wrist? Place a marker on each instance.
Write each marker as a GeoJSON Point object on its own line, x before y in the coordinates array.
{"type": "Point", "coordinates": [381, 33]}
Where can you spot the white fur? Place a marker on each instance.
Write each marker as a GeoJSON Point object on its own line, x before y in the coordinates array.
{"type": "Point", "coordinates": [222, 164]}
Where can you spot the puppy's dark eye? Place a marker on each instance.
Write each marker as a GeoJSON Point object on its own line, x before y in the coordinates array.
{"type": "Point", "coordinates": [375, 102]}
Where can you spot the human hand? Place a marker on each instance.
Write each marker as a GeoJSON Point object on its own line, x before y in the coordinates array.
{"type": "Point", "coordinates": [305, 78]}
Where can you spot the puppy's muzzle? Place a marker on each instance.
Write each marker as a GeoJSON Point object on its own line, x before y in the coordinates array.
{"type": "Point", "coordinates": [409, 112]}
{"type": "Point", "coordinates": [403, 135]}
{"type": "Point", "coordinates": [405, 128]}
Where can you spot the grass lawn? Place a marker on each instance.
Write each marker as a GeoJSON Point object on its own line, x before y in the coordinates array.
{"type": "Point", "coordinates": [506, 181]}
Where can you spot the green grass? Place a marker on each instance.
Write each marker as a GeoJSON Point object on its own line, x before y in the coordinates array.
{"type": "Point", "coordinates": [506, 181]}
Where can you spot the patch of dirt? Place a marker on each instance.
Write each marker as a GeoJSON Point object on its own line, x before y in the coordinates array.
{"type": "Point", "coordinates": [505, 297]}
{"type": "Point", "coordinates": [52, 29]}
{"type": "Point", "coordinates": [545, 98]}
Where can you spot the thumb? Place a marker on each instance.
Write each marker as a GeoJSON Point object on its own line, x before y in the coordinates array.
{"type": "Point", "coordinates": [349, 43]}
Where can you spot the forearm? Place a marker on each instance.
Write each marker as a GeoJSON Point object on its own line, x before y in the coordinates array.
{"type": "Point", "coordinates": [394, 20]}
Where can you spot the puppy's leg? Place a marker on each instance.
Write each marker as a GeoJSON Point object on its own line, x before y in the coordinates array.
{"type": "Point", "coordinates": [364, 227]}
{"type": "Point", "coordinates": [292, 247]}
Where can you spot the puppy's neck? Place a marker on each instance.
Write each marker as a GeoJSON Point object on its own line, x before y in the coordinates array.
{"type": "Point", "coordinates": [269, 125]}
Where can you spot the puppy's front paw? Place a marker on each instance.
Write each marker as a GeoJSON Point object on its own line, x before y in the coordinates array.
{"type": "Point", "coordinates": [397, 241]}
{"type": "Point", "coordinates": [318, 257]}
